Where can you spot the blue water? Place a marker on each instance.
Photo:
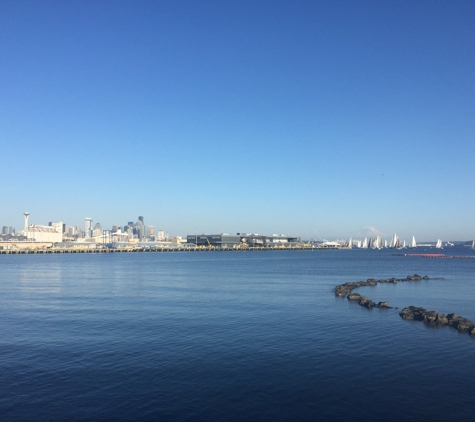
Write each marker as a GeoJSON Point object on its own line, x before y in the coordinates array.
{"type": "Point", "coordinates": [231, 336]}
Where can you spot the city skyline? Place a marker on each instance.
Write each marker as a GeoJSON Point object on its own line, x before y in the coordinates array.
{"type": "Point", "coordinates": [310, 118]}
{"type": "Point", "coordinates": [146, 231]}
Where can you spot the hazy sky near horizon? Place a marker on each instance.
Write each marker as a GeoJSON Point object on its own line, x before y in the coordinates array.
{"type": "Point", "coordinates": [300, 117]}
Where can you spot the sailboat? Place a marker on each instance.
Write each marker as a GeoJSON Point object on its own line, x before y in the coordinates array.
{"type": "Point", "coordinates": [403, 244]}
{"type": "Point", "coordinates": [378, 243]}
{"type": "Point", "coordinates": [395, 242]}
{"type": "Point", "coordinates": [365, 243]}
{"type": "Point", "coordinates": [413, 243]}
{"type": "Point", "coordinates": [350, 243]}
{"type": "Point", "coordinates": [473, 244]}
{"type": "Point", "coordinates": [386, 244]}
{"type": "Point", "coordinates": [438, 245]}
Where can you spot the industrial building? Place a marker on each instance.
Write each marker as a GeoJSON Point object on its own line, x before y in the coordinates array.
{"type": "Point", "coordinates": [39, 233]}
{"type": "Point", "coordinates": [43, 234]}
{"type": "Point", "coordinates": [225, 240]}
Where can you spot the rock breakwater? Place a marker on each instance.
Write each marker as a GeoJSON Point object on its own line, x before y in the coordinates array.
{"type": "Point", "coordinates": [431, 318]}
{"type": "Point", "coordinates": [437, 318]}
{"type": "Point", "coordinates": [345, 289]}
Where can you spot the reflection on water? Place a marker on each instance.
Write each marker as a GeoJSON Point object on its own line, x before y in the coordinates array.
{"type": "Point", "coordinates": [43, 278]}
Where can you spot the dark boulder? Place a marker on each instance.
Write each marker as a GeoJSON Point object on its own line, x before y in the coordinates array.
{"type": "Point", "coordinates": [412, 312]}
{"type": "Point", "coordinates": [342, 290]}
{"type": "Point", "coordinates": [407, 313]}
{"type": "Point", "coordinates": [430, 317]}
{"type": "Point", "coordinates": [382, 305]}
{"type": "Point", "coordinates": [367, 303]}
{"type": "Point", "coordinates": [465, 324]}
{"type": "Point", "coordinates": [441, 319]}
{"type": "Point", "coordinates": [354, 296]}
{"type": "Point", "coordinates": [453, 319]}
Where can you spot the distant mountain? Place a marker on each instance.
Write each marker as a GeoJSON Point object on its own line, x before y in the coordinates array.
{"type": "Point", "coordinates": [369, 232]}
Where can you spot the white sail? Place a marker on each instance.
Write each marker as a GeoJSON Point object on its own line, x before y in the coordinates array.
{"type": "Point", "coordinates": [395, 241]}
{"type": "Point", "coordinates": [403, 243]}
{"type": "Point", "coordinates": [473, 244]}
{"type": "Point", "coordinates": [439, 244]}
{"type": "Point", "coordinates": [378, 243]}
{"type": "Point", "coordinates": [350, 243]}
{"type": "Point", "coordinates": [413, 243]}
{"type": "Point", "coordinates": [365, 243]}
{"type": "Point", "coordinates": [386, 244]}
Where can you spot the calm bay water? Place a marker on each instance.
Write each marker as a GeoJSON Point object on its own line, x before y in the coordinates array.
{"type": "Point", "coordinates": [231, 336]}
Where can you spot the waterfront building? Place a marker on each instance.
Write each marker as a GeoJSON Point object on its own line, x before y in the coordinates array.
{"type": "Point", "coordinates": [40, 233]}
{"type": "Point", "coordinates": [4, 230]}
{"type": "Point", "coordinates": [225, 240]}
{"type": "Point", "coordinates": [57, 225]}
{"type": "Point", "coordinates": [160, 235]}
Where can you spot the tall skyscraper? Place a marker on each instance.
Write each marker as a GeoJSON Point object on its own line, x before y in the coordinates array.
{"type": "Point", "coordinates": [139, 228]}
{"type": "Point", "coordinates": [88, 227]}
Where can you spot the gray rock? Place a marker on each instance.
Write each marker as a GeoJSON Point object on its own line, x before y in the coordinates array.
{"type": "Point", "coordinates": [442, 319]}
{"type": "Point", "coordinates": [367, 303]}
{"type": "Point", "coordinates": [354, 296]}
{"type": "Point", "coordinates": [465, 324]}
{"type": "Point", "coordinates": [430, 317]}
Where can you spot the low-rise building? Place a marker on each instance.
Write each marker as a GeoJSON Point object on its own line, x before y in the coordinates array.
{"type": "Point", "coordinates": [225, 240]}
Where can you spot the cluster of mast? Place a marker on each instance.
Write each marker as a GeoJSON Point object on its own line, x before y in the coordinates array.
{"type": "Point", "coordinates": [378, 243]}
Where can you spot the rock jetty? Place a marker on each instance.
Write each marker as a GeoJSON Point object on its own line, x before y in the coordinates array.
{"type": "Point", "coordinates": [436, 318]}
{"type": "Point", "coordinates": [344, 290]}
{"type": "Point", "coordinates": [411, 312]}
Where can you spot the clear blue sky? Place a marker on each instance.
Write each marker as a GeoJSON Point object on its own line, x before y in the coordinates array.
{"type": "Point", "coordinates": [274, 116]}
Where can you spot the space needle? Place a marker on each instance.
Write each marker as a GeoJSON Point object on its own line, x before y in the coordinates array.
{"type": "Point", "coordinates": [25, 230]}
